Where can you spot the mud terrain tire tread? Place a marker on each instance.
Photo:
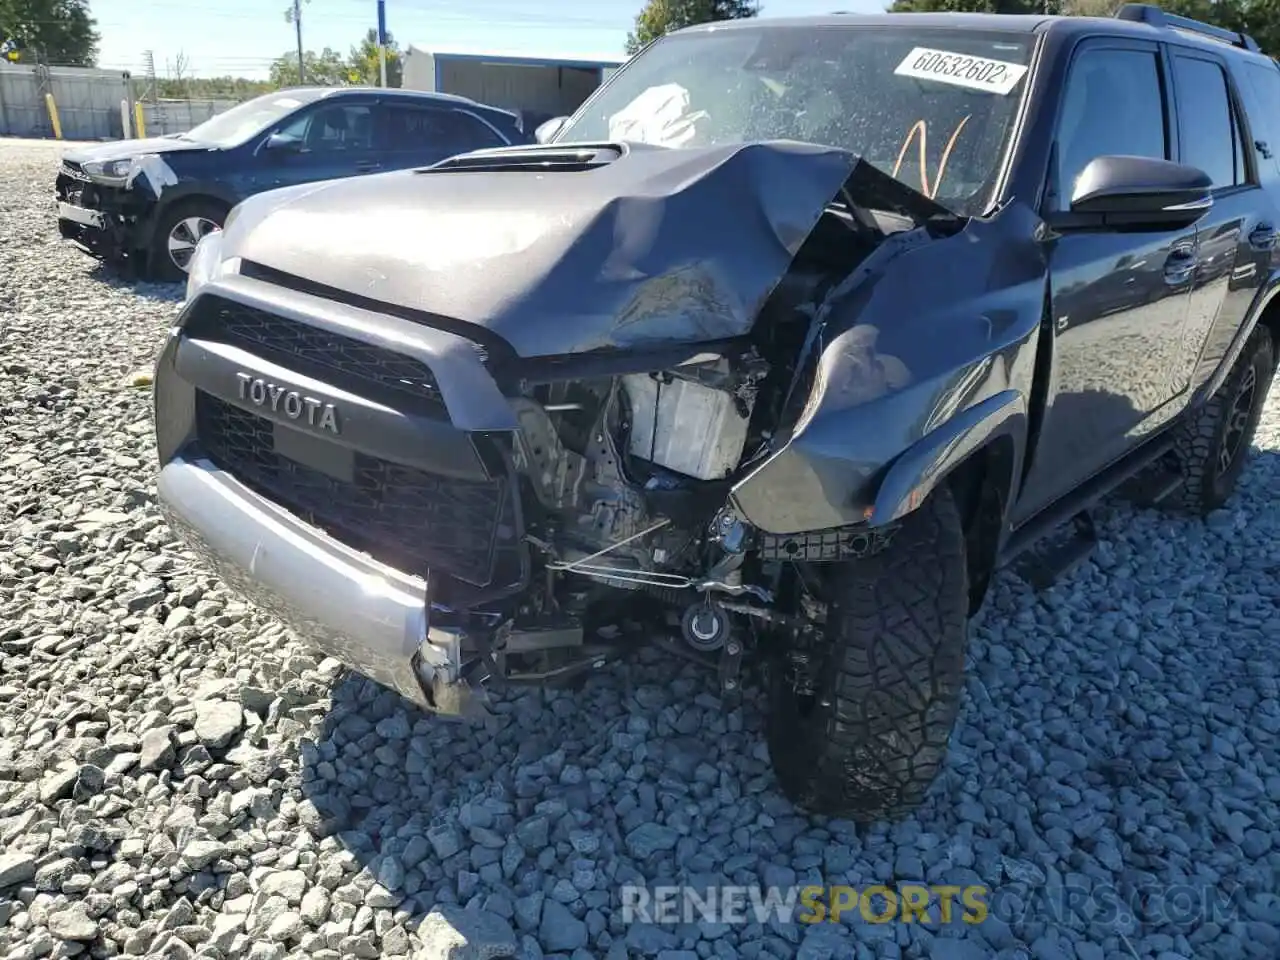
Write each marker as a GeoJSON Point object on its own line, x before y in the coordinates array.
{"type": "Point", "coordinates": [893, 688]}
{"type": "Point", "coordinates": [1201, 437]}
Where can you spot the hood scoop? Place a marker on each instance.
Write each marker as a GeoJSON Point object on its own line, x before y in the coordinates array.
{"type": "Point", "coordinates": [555, 158]}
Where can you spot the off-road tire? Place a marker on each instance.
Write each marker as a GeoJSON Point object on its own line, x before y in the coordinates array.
{"type": "Point", "coordinates": [159, 265]}
{"type": "Point", "coordinates": [1207, 437]}
{"type": "Point", "coordinates": [871, 741]}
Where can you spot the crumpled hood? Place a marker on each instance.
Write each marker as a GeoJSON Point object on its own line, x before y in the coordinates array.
{"type": "Point", "coordinates": [657, 246]}
{"type": "Point", "coordinates": [126, 149]}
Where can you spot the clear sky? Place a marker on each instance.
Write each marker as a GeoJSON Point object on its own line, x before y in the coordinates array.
{"type": "Point", "coordinates": [242, 37]}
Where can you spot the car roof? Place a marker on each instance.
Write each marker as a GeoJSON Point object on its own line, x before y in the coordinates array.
{"type": "Point", "coordinates": [1029, 24]}
{"type": "Point", "coordinates": [1011, 23]}
{"type": "Point", "coordinates": [313, 94]}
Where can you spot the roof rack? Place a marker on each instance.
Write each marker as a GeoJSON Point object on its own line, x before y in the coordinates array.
{"type": "Point", "coordinates": [1149, 13]}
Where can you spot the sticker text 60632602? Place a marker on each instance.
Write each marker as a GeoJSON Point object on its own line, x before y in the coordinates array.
{"type": "Point", "coordinates": [961, 70]}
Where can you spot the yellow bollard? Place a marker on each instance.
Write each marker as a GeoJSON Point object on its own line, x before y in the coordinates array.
{"type": "Point", "coordinates": [53, 115]}
{"type": "Point", "coordinates": [139, 122]}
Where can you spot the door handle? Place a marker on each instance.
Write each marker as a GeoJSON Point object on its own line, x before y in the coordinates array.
{"type": "Point", "coordinates": [1263, 236]}
{"type": "Point", "coordinates": [1179, 266]}
{"type": "Point", "coordinates": [366, 165]}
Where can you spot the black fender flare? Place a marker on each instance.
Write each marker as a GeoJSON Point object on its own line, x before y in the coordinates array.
{"type": "Point", "coordinates": [918, 470]}
{"type": "Point", "coordinates": [1268, 298]}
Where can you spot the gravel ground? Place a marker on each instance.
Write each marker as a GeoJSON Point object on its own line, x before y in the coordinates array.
{"type": "Point", "coordinates": [179, 778]}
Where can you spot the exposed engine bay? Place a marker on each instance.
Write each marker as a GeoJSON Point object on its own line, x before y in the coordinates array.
{"type": "Point", "coordinates": [626, 480]}
{"type": "Point", "coordinates": [628, 344]}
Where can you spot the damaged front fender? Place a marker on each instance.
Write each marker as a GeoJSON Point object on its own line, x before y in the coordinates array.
{"type": "Point", "coordinates": [929, 355]}
{"type": "Point", "coordinates": [566, 249]}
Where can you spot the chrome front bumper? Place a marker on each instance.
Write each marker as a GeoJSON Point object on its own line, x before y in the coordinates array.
{"type": "Point", "coordinates": [339, 601]}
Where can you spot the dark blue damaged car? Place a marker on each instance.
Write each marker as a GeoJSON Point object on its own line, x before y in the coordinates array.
{"type": "Point", "coordinates": [150, 201]}
{"type": "Point", "coordinates": [778, 349]}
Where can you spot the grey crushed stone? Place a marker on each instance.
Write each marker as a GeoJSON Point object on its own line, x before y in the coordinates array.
{"type": "Point", "coordinates": [179, 774]}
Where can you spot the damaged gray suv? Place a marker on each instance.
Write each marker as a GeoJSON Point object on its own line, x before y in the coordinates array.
{"type": "Point", "coordinates": [794, 334]}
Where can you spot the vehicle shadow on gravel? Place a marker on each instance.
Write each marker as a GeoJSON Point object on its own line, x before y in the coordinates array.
{"type": "Point", "coordinates": [121, 277]}
{"type": "Point", "coordinates": [1120, 743]}
{"type": "Point", "coordinates": [543, 812]}
{"type": "Point", "coordinates": [1069, 785]}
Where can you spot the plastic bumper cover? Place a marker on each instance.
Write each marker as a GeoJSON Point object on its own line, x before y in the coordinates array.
{"type": "Point", "coordinates": [345, 604]}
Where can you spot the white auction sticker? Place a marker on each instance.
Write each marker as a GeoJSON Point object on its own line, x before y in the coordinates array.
{"type": "Point", "coordinates": [961, 70]}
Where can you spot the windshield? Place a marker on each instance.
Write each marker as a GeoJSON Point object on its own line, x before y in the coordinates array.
{"type": "Point", "coordinates": [932, 108]}
{"type": "Point", "coordinates": [235, 126]}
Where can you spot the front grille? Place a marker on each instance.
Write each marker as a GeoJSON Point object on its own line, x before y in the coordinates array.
{"type": "Point", "coordinates": [410, 519]}
{"type": "Point", "coordinates": [76, 192]}
{"type": "Point", "coordinates": [311, 350]}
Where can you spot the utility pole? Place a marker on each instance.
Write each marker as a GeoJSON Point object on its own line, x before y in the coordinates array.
{"type": "Point", "coordinates": [297, 26]}
{"type": "Point", "coordinates": [382, 41]}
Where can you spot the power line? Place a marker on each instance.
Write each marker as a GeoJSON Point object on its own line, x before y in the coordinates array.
{"type": "Point", "coordinates": [479, 12]}
{"type": "Point", "coordinates": [473, 11]}
{"type": "Point", "coordinates": [504, 16]}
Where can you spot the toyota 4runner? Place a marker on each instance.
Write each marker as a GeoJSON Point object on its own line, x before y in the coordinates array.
{"type": "Point", "coordinates": [797, 330]}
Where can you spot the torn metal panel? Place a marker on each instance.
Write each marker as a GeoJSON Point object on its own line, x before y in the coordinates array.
{"type": "Point", "coordinates": [644, 246]}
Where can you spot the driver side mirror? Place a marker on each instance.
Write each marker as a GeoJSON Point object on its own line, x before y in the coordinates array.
{"type": "Point", "coordinates": [1140, 193]}
{"type": "Point", "coordinates": [278, 143]}
{"type": "Point", "coordinates": [546, 131]}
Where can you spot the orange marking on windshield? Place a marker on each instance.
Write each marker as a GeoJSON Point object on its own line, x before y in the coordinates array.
{"type": "Point", "coordinates": [922, 128]}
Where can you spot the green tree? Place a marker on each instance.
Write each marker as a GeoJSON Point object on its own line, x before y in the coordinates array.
{"type": "Point", "coordinates": [324, 69]}
{"type": "Point", "coordinates": [364, 61]}
{"type": "Point", "coordinates": [662, 16]}
{"type": "Point", "coordinates": [1259, 18]}
{"type": "Point", "coordinates": [1090, 8]}
{"type": "Point", "coordinates": [966, 6]}
{"type": "Point", "coordinates": [208, 88]}
{"type": "Point", "coordinates": [58, 32]}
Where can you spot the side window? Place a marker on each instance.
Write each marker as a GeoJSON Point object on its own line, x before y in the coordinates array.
{"type": "Point", "coordinates": [1209, 134]}
{"type": "Point", "coordinates": [426, 128]}
{"type": "Point", "coordinates": [1113, 104]}
{"type": "Point", "coordinates": [468, 133]}
{"type": "Point", "coordinates": [1264, 112]}
{"type": "Point", "coordinates": [332, 128]}
{"type": "Point", "coordinates": [408, 128]}
{"type": "Point", "coordinates": [296, 129]}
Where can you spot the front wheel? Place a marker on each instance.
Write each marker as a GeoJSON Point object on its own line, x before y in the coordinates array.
{"type": "Point", "coordinates": [178, 231]}
{"type": "Point", "coordinates": [869, 741]}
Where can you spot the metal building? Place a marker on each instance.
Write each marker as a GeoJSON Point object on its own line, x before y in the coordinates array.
{"type": "Point", "coordinates": [536, 88]}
